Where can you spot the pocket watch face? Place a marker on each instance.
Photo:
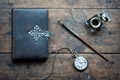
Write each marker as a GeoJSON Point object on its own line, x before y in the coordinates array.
{"type": "Point", "coordinates": [80, 63]}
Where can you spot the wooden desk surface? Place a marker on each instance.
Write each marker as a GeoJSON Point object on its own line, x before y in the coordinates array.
{"type": "Point", "coordinates": [107, 41]}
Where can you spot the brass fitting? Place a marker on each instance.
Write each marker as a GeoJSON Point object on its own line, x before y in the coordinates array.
{"type": "Point", "coordinates": [95, 23]}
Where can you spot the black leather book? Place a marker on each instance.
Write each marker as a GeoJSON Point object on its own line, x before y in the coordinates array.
{"type": "Point", "coordinates": [30, 33]}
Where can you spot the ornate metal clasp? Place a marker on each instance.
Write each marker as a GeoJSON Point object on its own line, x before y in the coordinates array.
{"type": "Point", "coordinates": [37, 33]}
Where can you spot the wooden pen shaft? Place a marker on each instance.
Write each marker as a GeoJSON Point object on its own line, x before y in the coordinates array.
{"type": "Point", "coordinates": [87, 44]}
{"type": "Point", "coordinates": [92, 48]}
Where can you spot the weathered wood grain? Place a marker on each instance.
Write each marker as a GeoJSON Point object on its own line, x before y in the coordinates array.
{"type": "Point", "coordinates": [57, 4]}
{"type": "Point", "coordinates": [98, 69]}
{"type": "Point", "coordinates": [4, 4]}
{"type": "Point", "coordinates": [5, 30]}
{"type": "Point", "coordinates": [107, 40]}
{"type": "Point", "coordinates": [113, 4]}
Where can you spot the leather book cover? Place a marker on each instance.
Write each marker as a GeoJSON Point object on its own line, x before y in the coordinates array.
{"type": "Point", "coordinates": [30, 33]}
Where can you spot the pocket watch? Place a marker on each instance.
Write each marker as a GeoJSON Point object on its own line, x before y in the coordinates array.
{"type": "Point", "coordinates": [80, 62]}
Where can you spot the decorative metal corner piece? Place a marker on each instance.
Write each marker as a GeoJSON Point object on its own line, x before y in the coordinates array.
{"type": "Point", "coordinates": [37, 33]}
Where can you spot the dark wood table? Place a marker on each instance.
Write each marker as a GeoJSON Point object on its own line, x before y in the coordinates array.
{"type": "Point", "coordinates": [107, 41]}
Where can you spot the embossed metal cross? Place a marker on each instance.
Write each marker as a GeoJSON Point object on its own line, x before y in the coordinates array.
{"type": "Point", "coordinates": [37, 33]}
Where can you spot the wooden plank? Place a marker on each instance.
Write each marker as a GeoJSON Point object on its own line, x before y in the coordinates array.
{"type": "Point", "coordinates": [113, 4]}
{"type": "Point", "coordinates": [57, 4]}
{"type": "Point", "coordinates": [5, 30]}
{"type": "Point", "coordinates": [98, 69]}
{"type": "Point", "coordinates": [4, 4]}
{"type": "Point", "coordinates": [107, 40]}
